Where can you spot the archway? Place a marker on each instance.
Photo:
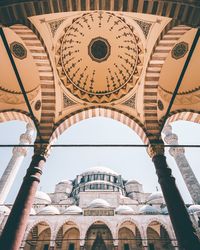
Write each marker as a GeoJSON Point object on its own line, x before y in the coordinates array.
{"type": "Point", "coordinates": [99, 237]}
{"type": "Point", "coordinates": [68, 237]}
{"type": "Point", "coordinates": [158, 237]}
{"type": "Point", "coordinates": [129, 237]}
{"type": "Point", "coordinates": [38, 237]}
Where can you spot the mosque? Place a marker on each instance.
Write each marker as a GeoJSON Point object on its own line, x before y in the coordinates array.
{"type": "Point", "coordinates": [99, 210]}
{"type": "Point", "coordinates": [134, 61]}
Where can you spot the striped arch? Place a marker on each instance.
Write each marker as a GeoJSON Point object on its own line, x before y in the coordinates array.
{"type": "Point", "coordinates": [46, 76]}
{"type": "Point", "coordinates": [114, 114]}
{"type": "Point", "coordinates": [152, 77]}
{"type": "Point", "coordinates": [15, 114]}
{"type": "Point", "coordinates": [32, 225]}
{"type": "Point", "coordinates": [136, 223]}
{"type": "Point", "coordinates": [184, 115]}
{"type": "Point", "coordinates": [167, 226]}
{"type": "Point", "coordinates": [184, 11]}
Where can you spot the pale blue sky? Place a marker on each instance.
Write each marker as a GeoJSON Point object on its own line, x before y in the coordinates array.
{"type": "Point", "coordinates": [132, 163]}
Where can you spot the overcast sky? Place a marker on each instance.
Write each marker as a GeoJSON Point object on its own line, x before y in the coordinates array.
{"type": "Point", "coordinates": [132, 163]}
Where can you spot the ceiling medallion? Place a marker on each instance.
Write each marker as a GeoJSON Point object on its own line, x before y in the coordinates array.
{"type": "Point", "coordinates": [179, 50]}
{"type": "Point", "coordinates": [99, 57]}
{"type": "Point", "coordinates": [18, 50]}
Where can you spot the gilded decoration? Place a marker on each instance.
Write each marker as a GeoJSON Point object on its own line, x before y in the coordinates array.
{"type": "Point", "coordinates": [179, 50]}
{"type": "Point", "coordinates": [18, 50]}
{"type": "Point", "coordinates": [99, 57]}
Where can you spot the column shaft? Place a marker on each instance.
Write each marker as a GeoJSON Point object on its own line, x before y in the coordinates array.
{"type": "Point", "coordinates": [184, 230]}
{"type": "Point", "coordinates": [14, 229]}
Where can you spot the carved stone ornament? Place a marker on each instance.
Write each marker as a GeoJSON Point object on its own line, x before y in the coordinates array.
{"type": "Point", "coordinates": [179, 50]}
{"type": "Point", "coordinates": [155, 149]}
{"type": "Point", "coordinates": [18, 50]}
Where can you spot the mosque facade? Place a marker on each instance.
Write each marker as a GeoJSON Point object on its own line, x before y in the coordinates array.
{"type": "Point", "coordinates": [99, 210]}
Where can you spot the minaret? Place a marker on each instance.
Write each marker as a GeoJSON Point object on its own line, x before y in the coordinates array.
{"type": "Point", "coordinates": [179, 156]}
{"type": "Point", "coordinates": [14, 164]}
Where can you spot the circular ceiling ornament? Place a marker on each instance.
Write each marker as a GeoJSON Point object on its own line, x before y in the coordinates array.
{"type": "Point", "coordinates": [18, 50]}
{"type": "Point", "coordinates": [179, 50]}
{"type": "Point", "coordinates": [99, 57]}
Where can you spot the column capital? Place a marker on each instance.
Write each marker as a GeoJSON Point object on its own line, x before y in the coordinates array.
{"type": "Point", "coordinates": [42, 149]}
{"type": "Point", "coordinates": [176, 151]}
{"type": "Point", "coordinates": [19, 151]}
{"type": "Point", "coordinates": [155, 149]}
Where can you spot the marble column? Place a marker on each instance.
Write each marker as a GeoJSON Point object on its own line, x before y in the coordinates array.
{"type": "Point", "coordinates": [179, 156]}
{"type": "Point", "coordinates": [183, 227]}
{"type": "Point", "coordinates": [15, 226]}
{"type": "Point", "coordinates": [14, 164]}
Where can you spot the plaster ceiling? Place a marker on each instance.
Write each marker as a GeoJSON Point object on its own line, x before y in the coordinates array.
{"type": "Point", "coordinates": [99, 57]}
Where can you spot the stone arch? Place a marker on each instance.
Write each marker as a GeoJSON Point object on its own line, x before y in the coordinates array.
{"type": "Point", "coordinates": [184, 115]}
{"type": "Point", "coordinates": [152, 77]}
{"type": "Point", "coordinates": [32, 225]}
{"type": "Point", "coordinates": [15, 114]}
{"type": "Point", "coordinates": [91, 112]}
{"type": "Point", "coordinates": [100, 230]}
{"type": "Point", "coordinates": [124, 232]}
{"type": "Point", "coordinates": [166, 225]}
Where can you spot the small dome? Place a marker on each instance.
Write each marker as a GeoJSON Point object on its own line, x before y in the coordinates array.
{"type": "Point", "coordinates": [99, 169]}
{"type": "Point", "coordinates": [4, 210]}
{"type": "Point", "coordinates": [164, 210]}
{"type": "Point", "coordinates": [32, 212]}
{"type": "Point", "coordinates": [132, 182]}
{"type": "Point", "coordinates": [73, 210]}
{"type": "Point", "coordinates": [194, 208]}
{"type": "Point", "coordinates": [65, 182]}
{"type": "Point", "coordinates": [147, 209]}
{"type": "Point", "coordinates": [99, 203]}
{"type": "Point", "coordinates": [123, 209]}
{"type": "Point", "coordinates": [156, 197]}
{"type": "Point", "coordinates": [42, 198]}
{"type": "Point", "coordinates": [49, 210]}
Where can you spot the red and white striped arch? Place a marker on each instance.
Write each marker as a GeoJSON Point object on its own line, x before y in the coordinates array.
{"type": "Point", "coordinates": [114, 114]}
{"type": "Point", "coordinates": [11, 115]}
{"type": "Point", "coordinates": [184, 115]}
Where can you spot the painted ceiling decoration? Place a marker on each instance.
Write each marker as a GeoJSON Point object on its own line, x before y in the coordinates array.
{"type": "Point", "coordinates": [99, 57]}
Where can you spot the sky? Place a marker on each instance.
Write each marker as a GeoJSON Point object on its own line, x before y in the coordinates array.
{"type": "Point", "coordinates": [131, 163]}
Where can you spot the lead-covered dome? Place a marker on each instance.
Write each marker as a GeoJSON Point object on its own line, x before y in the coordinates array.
{"type": "Point", "coordinates": [124, 210]}
{"type": "Point", "coordinates": [4, 210]}
{"type": "Point", "coordinates": [194, 208]}
{"type": "Point", "coordinates": [42, 198]}
{"type": "Point", "coordinates": [156, 197]}
{"type": "Point", "coordinates": [49, 210]}
{"type": "Point", "coordinates": [99, 203]}
{"type": "Point", "coordinates": [99, 169]}
{"type": "Point", "coordinates": [73, 210]}
{"type": "Point", "coordinates": [147, 209]}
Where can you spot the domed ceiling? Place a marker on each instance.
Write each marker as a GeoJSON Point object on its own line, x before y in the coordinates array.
{"type": "Point", "coordinates": [99, 57]}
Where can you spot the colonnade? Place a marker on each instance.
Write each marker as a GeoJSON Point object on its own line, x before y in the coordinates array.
{"type": "Point", "coordinates": [14, 229]}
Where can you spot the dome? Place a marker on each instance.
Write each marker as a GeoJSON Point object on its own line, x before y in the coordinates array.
{"type": "Point", "coordinates": [65, 182]}
{"type": "Point", "coordinates": [194, 208]}
{"type": "Point", "coordinates": [164, 210]}
{"type": "Point", "coordinates": [99, 169]}
{"type": "Point", "coordinates": [156, 197]}
{"type": "Point", "coordinates": [123, 209]}
{"type": "Point", "coordinates": [132, 182]}
{"type": "Point", "coordinates": [32, 212]}
{"type": "Point", "coordinates": [41, 197]}
{"type": "Point", "coordinates": [147, 209]}
{"type": "Point", "coordinates": [73, 210]}
{"type": "Point", "coordinates": [99, 203]}
{"type": "Point", "coordinates": [4, 210]}
{"type": "Point", "coordinates": [49, 210]}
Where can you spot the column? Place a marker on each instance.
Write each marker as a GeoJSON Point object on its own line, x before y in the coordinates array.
{"type": "Point", "coordinates": [14, 164]}
{"type": "Point", "coordinates": [183, 228]}
{"type": "Point", "coordinates": [15, 226]}
{"type": "Point", "coordinates": [183, 165]}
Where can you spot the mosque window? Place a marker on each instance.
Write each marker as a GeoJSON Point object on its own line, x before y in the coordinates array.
{"type": "Point", "coordinates": [151, 246]}
{"type": "Point", "coordinates": [46, 247]}
{"type": "Point", "coordinates": [101, 176]}
{"type": "Point", "coordinates": [71, 246]}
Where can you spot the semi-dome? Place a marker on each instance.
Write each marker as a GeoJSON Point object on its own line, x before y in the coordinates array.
{"type": "Point", "coordinates": [32, 212]}
{"type": "Point", "coordinates": [156, 197]}
{"type": "Point", "coordinates": [131, 182]}
{"type": "Point", "coordinates": [124, 209]}
{"type": "Point", "coordinates": [41, 197]}
{"type": "Point", "coordinates": [147, 209]}
{"type": "Point", "coordinates": [73, 210]}
{"type": "Point", "coordinates": [194, 208]}
{"type": "Point", "coordinates": [99, 203]}
{"type": "Point", "coordinates": [99, 169]}
{"type": "Point", "coordinates": [49, 210]}
{"type": "Point", "coordinates": [4, 210]}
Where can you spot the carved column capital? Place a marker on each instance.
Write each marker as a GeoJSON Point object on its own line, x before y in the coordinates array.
{"type": "Point", "coordinates": [155, 149]}
{"type": "Point", "coordinates": [19, 151]}
{"type": "Point", "coordinates": [176, 151]}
